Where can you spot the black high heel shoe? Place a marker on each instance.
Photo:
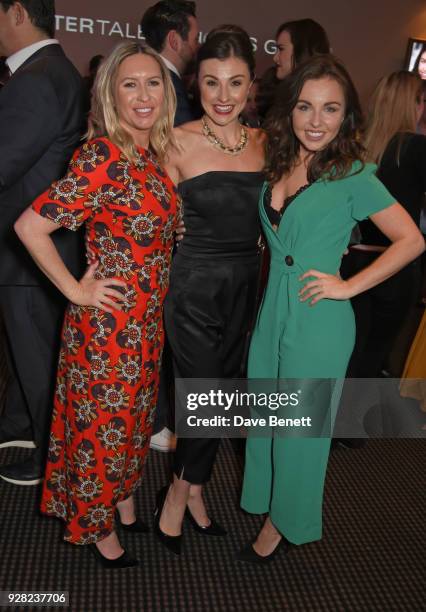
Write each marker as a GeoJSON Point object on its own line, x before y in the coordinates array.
{"type": "Point", "coordinates": [214, 529]}
{"type": "Point", "coordinates": [123, 561]}
{"type": "Point", "coordinates": [137, 526]}
{"type": "Point", "coordinates": [173, 543]}
{"type": "Point", "coordinates": [249, 555]}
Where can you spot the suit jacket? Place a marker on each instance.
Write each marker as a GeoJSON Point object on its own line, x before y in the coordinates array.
{"type": "Point", "coordinates": [41, 117]}
{"type": "Point", "coordinates": [184, 111]}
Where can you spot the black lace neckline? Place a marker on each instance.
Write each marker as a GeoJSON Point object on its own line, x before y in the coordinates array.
{"type": "Point", "coordinates": [274, 215]}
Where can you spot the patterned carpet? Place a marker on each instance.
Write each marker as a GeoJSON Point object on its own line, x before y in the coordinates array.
{"type": "Point", "coordinates": [371, 557]}
{"type": "Point", "coordinates": [4, 374]}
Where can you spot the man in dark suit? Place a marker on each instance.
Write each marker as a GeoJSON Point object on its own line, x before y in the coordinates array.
{"type": "Point", "coordinates": [170, 27]}
{"type": "Point", "coordinates": [40, 124]}
{"type": "Point", "coordinates": [4, 71]}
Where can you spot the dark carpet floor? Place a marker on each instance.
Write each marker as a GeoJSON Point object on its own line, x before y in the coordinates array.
{"type": "Point", "coordinates": [372, 555]}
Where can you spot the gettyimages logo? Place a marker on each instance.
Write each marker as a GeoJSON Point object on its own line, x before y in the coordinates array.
{"type": "Point", "coordinates": [238, 399]}
{"type": "Point", "coordinates": [302, 408]}
{"type": "Point", "coordinates": [234, 408]}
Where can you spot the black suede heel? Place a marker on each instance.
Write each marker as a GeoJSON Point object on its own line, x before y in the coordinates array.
{"type": "Point", "coordinates": [124, 560]}
{"type": "Point", "coordinates": [173, 543]}
{"type": "Point", "coordinates": [249, 555]}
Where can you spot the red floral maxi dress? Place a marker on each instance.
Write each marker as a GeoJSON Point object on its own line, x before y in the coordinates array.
{"type": "Point", "coordinates": [109, 362]}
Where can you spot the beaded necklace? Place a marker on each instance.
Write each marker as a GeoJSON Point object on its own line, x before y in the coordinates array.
{"type": "Point", "coordinates": [217, 142]}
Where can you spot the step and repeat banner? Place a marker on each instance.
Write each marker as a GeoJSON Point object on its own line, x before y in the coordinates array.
{"type": "Point", "coordinates": [88, 28]}
{"type": "Point", "coordinates": [112, 29]}
{"type": "Point", "coordinates": [370, 37]}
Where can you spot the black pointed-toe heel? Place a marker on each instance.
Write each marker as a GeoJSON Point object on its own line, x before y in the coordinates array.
{"type": "Point", "coordinates": [173, 543]}
{"type": "Point", "coordinates": [123, 561]}
{"type": "Point", "coordinates": [214, 529]}
{"type": "Point", "coordinates": [137, 526]}
{"type": "Point", "coordinates": [249, 555]}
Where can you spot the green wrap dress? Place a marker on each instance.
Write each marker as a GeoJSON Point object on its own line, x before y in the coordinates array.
{"type": "Point", "coordinates": [284, 476]}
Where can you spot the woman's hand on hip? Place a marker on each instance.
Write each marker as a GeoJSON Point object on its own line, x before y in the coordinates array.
{"type": "Point", "coordinates": [330, 286]}
{"type": "Point", "coordinates": [99, 293]}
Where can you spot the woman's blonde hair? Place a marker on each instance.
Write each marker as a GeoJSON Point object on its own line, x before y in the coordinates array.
{"type": "Point", "coordinates": [103, 118]}
{"type": "Point", "coordinates": [392, 112]}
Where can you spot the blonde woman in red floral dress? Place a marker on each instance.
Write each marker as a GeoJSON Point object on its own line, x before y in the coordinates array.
{"type": "Point", "coordinates": [112, 336]}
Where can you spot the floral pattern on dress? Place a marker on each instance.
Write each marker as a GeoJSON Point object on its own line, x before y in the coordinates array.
{"type": "Point", "coordinates": [132, 196]}
{"type": "Point", "coordinates": [142, 228]}
{"type": "Point", "coordinates": [104, 324]}
{"type": "Point", "coordinates": [108, 366]}
{"type": "Point", "coordinates": [102, 197]}
{"type": "Point", "coordinates": [85, 412]}
{"type": "Point", "coordinates": [84, 456]}
{"type": "Point", "coordinates": [91, 155]}
{"type": "Point", "coordinates": [69, 188]}
{"type": "Point", "coordinates": [158, 190]}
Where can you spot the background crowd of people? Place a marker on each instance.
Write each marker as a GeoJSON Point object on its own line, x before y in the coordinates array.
{"type": "Point", "coordinates": [171, 131]}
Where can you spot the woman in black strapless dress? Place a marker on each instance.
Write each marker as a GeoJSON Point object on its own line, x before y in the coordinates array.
{"type": "Point", "coordinates": [212, 294]}
{"type": "Point", "coordinates": [210, 305]}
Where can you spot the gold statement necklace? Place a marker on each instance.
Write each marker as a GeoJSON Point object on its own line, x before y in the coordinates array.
{"type": "Point", "coordinates": [217, 142]}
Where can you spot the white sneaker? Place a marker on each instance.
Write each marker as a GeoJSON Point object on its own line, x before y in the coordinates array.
{"type": "Point", "coordinates": [7, 442]}
{"type": "Point", "coordinates": [164, 441]}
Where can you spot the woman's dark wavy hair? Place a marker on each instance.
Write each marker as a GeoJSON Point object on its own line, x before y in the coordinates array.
{"type": "Point", "coordinates": [227, 41]}
{"type": "Point", "coordinates": [282, 149]}
{"type": "Point", "coordinates": [308, 38]}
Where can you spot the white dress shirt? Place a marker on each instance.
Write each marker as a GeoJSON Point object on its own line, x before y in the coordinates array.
{"type": "Point", "coordinates": [170, 66]}
{"type": "Point", "coordinates": [16, 60]}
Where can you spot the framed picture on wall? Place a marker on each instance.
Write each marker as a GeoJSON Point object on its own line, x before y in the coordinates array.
{"type": "Point", "coordinates": [415, 60]}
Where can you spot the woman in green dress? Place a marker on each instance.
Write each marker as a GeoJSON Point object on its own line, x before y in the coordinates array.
{"type": "Point", "coordinates": [318, 188]}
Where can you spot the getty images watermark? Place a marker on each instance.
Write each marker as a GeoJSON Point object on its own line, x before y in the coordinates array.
{"type": "Point", "coordinates": [237, 408]}
{"type": "Point", "coordinates": [244, 400]}
{"type": "Point", "coordinates": [301, 408]}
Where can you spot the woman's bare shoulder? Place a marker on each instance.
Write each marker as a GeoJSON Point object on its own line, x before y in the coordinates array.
{"type": "Point", "coordinates": [188, 130]}
{"type": "Point", "coordinates": [187, 135]}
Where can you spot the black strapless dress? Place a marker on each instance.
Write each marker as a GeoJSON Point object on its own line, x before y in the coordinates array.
{"type": "Point", "coordinates": [210, 304]}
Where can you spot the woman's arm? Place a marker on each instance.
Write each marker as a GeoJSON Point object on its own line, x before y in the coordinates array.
{"type": "Point", "coordinates": [172, 168]}
{"type": "Point", "coordinates": [172, 164]}
{"type": "Point", "coordinates": [34, 231]}
{"type": "Point", "coordinates": [407, 244]}
{"type": "Point", "coordinates": [174, 156]}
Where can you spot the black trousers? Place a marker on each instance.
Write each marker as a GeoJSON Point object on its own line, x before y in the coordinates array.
{"type": "Point", "coordinates": [208, 313]}
{"type": "Point", "coordinates": [165, 404]}
{"type": "Point", "coordinates": [32, 319]}
{"type": "Point", "coordinates": [379, 313]}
